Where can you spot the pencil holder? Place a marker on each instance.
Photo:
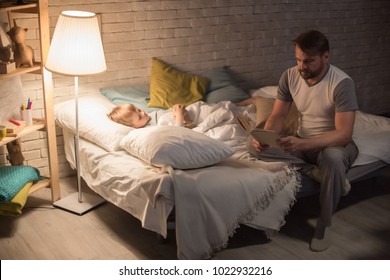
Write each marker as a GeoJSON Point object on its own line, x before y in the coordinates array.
{"type": "Point", "coordinates": [26, 115]}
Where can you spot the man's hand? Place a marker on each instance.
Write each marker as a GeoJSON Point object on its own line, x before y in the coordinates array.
{"type": "Point", "coordinates": [258, 147]}
{"type": "Point", "coordinates": [291, 144]}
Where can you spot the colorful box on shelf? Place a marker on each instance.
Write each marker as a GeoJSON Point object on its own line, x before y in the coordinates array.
{"type": "Point", "coordinates": [7, 67]}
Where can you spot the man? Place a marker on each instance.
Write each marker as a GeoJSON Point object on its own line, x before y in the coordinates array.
{"type": "Point", "coordinates": [323, 148]}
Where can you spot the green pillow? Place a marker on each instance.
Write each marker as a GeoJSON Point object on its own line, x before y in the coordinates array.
{"type": "Point", "coordinates": [169, 86]}
{"type": "Point", "coordinates": [137, 95]}
{"type": "Point", "coordinates": [228, 93]}
{"type": "Point", "coordinates": [14, 178]}
{"type": "Point", "coordinates": [219, 78]}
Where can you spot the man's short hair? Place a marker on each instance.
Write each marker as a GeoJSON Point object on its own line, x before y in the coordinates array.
{"type": "Point", "coordinates": [312, 42]}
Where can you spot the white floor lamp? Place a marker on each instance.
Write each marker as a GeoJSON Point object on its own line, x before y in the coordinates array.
{"type": "Point", "coordinates": [76, 50]}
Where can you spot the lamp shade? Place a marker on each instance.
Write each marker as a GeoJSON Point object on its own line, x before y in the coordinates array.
{"type": "Point", "coordinates": [76, 47]}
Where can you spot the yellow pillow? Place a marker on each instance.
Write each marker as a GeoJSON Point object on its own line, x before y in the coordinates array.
{"type": "Point", "coordinates": [169, 86]}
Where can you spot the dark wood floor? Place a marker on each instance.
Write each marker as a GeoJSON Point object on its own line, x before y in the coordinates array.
{"type": "Point", "coordinates": [361, 230]}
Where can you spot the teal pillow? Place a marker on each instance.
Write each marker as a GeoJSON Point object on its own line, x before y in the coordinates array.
{"type": "Point", "coordinates": [228, 93]}
{"type": "Point", "coordinates": [137, 95]}
{"type": "Point", "coordinates": [219, 78]}
{"type": "Point", "coordinates": [14, 178]}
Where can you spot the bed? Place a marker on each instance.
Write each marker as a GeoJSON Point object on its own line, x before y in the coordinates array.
{"type": "Point", "coordinates": [211, 199]}
{"type": "Point", "coordinates": [205, 174]}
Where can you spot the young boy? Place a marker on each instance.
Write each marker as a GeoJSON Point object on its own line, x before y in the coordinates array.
{"type": "Point", "coordinates": [131, 115]}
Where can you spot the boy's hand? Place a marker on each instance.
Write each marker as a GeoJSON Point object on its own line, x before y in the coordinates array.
{"type": "Point", "coordinates": [178, 111]}
{"type": "Point", "coordinates": [178, 108]}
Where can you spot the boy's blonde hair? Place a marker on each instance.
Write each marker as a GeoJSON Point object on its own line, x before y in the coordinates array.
{"type": "Point", "coordinates": [121, 114]}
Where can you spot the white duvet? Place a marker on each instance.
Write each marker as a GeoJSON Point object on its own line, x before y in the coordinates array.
{"type": "Point", "coordinates": [212, 202]}
{"type": "Point", "coordinates": [218, 121]}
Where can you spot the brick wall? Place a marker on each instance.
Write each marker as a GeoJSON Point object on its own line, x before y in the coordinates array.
{"type": "Point", "coordinates": [252, 36]}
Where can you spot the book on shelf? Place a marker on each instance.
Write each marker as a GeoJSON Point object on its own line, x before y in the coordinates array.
{"type": "Point", "coordinates": [14, 127]}
{"type": "Point", "coordinates": [263, 136]}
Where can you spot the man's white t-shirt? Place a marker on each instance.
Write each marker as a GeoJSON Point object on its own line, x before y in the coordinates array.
{"type": "Point", "coordinates": [318, 103]}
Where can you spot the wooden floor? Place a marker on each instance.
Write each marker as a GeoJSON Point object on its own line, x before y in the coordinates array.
{"type": "Point", "coordinates": [361, 230]}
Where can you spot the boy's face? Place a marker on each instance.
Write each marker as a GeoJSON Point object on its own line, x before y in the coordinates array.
{"type": "Point", "coordinates": [137, 118]}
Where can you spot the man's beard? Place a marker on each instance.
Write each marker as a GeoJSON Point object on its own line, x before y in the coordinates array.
{"type": "Point", "coordinates": [306, 74]}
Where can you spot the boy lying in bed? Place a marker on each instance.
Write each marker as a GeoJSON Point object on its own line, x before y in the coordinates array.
{"type": "Point", "coordinates": [131, 115]}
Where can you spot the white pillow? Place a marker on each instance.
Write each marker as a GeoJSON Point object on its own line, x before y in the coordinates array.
{"type": "Point", "coordinates": [94, 125]}
{"type": "Point", "coordinates": [179, 147]}
{"type": "Point", "coordinates": [373, 146]}
{"type": "Point", "coordinates": [371, 134]}
{"type": "Point", "coordinates": [268, 92]}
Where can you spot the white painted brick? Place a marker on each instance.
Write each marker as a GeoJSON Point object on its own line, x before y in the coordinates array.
{"type": "Point", "coordinates": [214, 12]}
{"type": "Point", "coordinates": [174, 42]}
{"type": "Point", "coordinates": [32, 145]}
{"type": "Point", "coordinates": [176, 23]}
{"type": "Point", "coordinates": [112, 7]}
{"type": "Point", "coordinates": [229, 19]}
{"type": "Point", "coordinates": [243, 10]}
{"type": "Point", "coordinates": [119, 27]}
{"type": "Point", "coordinates": [212, 21]}
{"type": "Point", "coordinates": [176, 5]}
{"type": "Point", "coordinates": [163, 33]}
{"type": "Point", "coordinates": [38, 163]}
{"type": "Point", "coordinates": [202, 4]}
{"type": "Point", "coordinates": [200, 40]}
{"type": "Point", "coordinates": [189, 13]}
{"type": "Point", "coordinates": [158, 15]}
{"type": "Point", "coordinates": [148, 6]}
{"type": "Point", "coordinates": [43, 170]}
{"type": "Point", "coordinates": [32, 155]}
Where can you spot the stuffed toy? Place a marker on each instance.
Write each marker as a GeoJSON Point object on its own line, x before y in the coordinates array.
{"type": "Point", "coordinates": [23, 54]}
{"type": "Point", "coordinates": [15, 155]}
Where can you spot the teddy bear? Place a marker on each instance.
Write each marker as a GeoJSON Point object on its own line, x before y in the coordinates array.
{"type": "Point", "coordinates": [15, 156]}
{"type": "Point", "coordinates": [23, 54]}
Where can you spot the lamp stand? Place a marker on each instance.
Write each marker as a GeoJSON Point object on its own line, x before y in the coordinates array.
{"type": "Point", "coordinates": [76, 203]}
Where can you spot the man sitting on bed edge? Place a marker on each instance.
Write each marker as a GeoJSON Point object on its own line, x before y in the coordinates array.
{"type": "Point", "coordinates": [324, 149]}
